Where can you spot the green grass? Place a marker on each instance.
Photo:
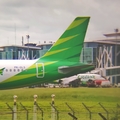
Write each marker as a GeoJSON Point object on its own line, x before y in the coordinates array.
{"type": "Point", "coordinates": [63, 94]}
{"type": "Point", "coordinates": [108, 97]}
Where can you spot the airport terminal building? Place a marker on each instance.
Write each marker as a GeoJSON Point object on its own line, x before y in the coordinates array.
{"type": "Point", "coordinates": [27, 51]}
{"type": "Point", "coordinates": [103, 53]}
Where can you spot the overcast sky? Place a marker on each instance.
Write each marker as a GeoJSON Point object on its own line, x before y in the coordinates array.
{"type": "Point", "coordinates": [46, 20]}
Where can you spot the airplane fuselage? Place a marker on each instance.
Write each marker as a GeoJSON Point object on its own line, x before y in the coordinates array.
{"type": "Point", "coordinates": [13, 67]}
{"type": "Point", "coordinates": [30, 72]}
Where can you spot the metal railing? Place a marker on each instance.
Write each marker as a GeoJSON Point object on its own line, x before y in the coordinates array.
{"type": "Point", "coordinates": [63, 112]}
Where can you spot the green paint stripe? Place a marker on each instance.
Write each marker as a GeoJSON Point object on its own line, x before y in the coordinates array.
{"type": "Point", "coordinates": [18, 77]}
{"type": "Point", "coordinates": [62, 40]}
{"type": "Point", "coordinates": [76, 23]}
{"type": "Point", "coordinates": [54, 52]}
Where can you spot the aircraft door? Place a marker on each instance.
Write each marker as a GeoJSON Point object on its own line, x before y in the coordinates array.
{"type": "Point", "coordinates": [39, 70]}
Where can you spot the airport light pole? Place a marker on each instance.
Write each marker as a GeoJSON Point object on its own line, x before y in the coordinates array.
{"type": "Point", "coordinates": [35, 99]}
{"type": "Point", "coordinates": [53, 96]}
{"type": "Point", "coordinates": [52, 107]}
{"type": "Point", "coordinates": [15, 107]}
{"type": "Point", "coordinates": [116, 31]}
{"type": "Point", "coordinates": [15, 99]}
{"type": "Point", "coordinates": [28, 37]}
{"type": "Point", "coordinates": [35, 107]}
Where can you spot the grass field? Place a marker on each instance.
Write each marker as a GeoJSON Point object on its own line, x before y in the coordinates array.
{"type": "Point", "coordinates": [75, 97]}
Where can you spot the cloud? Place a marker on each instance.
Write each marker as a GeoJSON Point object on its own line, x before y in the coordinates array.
{"type": "Point", "coordinates": [47, 20]}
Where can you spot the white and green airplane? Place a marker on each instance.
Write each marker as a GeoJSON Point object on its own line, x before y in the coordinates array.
{"type": "Point", "coordinates": [62, 60]}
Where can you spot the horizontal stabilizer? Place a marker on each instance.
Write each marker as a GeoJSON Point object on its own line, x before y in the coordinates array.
{"type": "Point", "coordinates": [68, 69]}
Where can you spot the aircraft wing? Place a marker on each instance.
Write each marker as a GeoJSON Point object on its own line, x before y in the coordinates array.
{"type": "Point", "coordinates": [68, 69]}
{"type": "Point", "coordinates": [69, 79]}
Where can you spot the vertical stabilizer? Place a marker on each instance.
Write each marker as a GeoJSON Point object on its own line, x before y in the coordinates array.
{"type": "Point", "coordinates": [69, 46]}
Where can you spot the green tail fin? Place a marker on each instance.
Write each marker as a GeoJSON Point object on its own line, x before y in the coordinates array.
{"type": "Point", "coordinates": [69, 45]}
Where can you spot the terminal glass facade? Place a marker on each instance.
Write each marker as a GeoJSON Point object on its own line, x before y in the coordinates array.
{"type": "Point", "coordinates": [88, 55]}
{"type": "Point", "coordinates": [29, 51]}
